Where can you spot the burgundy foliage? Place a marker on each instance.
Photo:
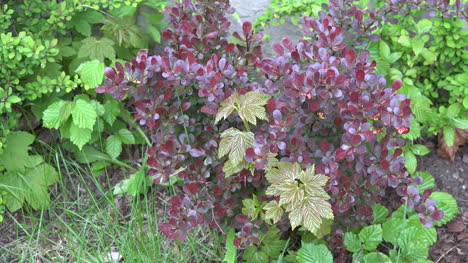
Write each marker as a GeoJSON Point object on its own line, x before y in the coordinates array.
{"type": "Point", "coordinates": [328, 108]}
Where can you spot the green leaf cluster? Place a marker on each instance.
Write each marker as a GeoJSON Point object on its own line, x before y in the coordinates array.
{"type": "Point", "coordinates": [270, 247]}
{"type": "Point", "coordinates": [25, 178]}
{"type": "Point", "coordinates": [408, 238]}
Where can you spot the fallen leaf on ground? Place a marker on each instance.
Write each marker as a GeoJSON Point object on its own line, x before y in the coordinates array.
{"type": "Point", "coordinates": [448, 152]}
{"type": "Point", "coordinates": [456, 225]}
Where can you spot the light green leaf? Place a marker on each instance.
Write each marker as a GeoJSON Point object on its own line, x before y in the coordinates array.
{"type": "Point", "coordinates": [420, 149]}
{"type": "Point", "coordinates": [83, 114]}
{"type": "Point", "coordinates": [428, 181]}
{"type": "Point", "coordinates": [384, 49]}
{"type": "Point", "coordinates": [227, 107]}
{"type": "Point", "coordinates": [230, 168]}
{"type": "Point", "coordinates": [234, 142]}
{"type": "Point", "coordinates": [113, 146]}
{"type": "Point", "coordinates": [231, 249]}
{"type": "Point", "coordinates": [453, 110]}
{"type": "Point", "coordinates": [426, 235]}
{"type": "Point", "coordinates": [459, 123]}
{"type": "Point", "coordinates": [447, 203]}
{"type": "Point", "coordinates": [371, 236]}
{"type": "Point", "coordinates": [252, 106]}
{"type": "Point", "coordinates": [82, 21]}
{"type": "Point", "coordinates": [352, 242]}
{"type": "Point", "coordinates": [314, 253]}
{"type": "Point", "coordinates": [423, 26]}
{"type": "Point", "coordinates": [252, 207]}
{"type": "Point", "coordinates": [79, 136]}
{"type": "Point", "coordinates": [97, 49]}
{"type": "Point", "coordinates": [273, 211]}
{"type": "Point", "coordinates": [404, 41]}
{"type": "Point", "coordinates": [309, 213]}
{"type": "Point", "coordinates": [410, 243]}
{"type": "Point", "coordinates": [252, 255]}
{"type": "Point", "coordinates": [410, 161]}
{"type": "Point", "coordinates": [38, 179]}
{"type": "Point", "coordinates": [449, 136]}
{"type": "Point", "coordinates": [91, 73]}
{"type": "Point", "coordinates": [111, 112]}
{"type": "Point", "coordinates": [271, 243]}
{"type": "Point", "coordinates": [56, 114]}
{"type": "Point", "coordinates": [417, 45]}
{"type": "Point", "coordinates": [126, 136]}
{"type": "Point", "coordinates": [89, 155]}
{"type": "Point", "coordinates": [15, 151]}
{"type": "Point", "coordinates": [379, 213]}
{"type": "Point", "coordinates": [138, 183]}
{"type": "Point", "coordinates": [376, 257]}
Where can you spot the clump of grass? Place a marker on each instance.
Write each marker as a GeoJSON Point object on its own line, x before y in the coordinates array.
{"type": "Point", "coordinates": [87, 223]}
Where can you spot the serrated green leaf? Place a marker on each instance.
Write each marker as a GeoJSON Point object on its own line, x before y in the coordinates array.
{"type": "Point", "coordinates": [410, 161]}
{"type": "Point", "coordinates": [231, 249]}
{"type": "Point", "coordinates": [230, 168]}
{"type": "Point", "coordinates": [352, 242]}
{"type": "Point", "coordinates": [371, 236]}
{"type": "Point", "coordinates": [420, 149]}
{"type": "Point", "coordinates": [56, 114]}
{"type": "Point", "coordinates": [83, 114]}
{"type": "Point", "coordinates": [113, 146]}
{"type": "Point", "coordinates": [428, 181]}
{"type": "Point", "coordinates": [379, 213]}
{"type": "Point", "coordinates": [314, 253]}
{"type": "Point", "coordinates": [273, 211]}
{"type": "Point", "coordinates": [82, 21]}
{"type": "Point", "coordinates": [309, 213]}
{"type": "Point", "coordinates": [391, 229]}
{"type": "Point", "coordinates": [376, 257]}
{"type": "Point", "coordinates": [252, 255]}
{"type": "Point", "coordinates": [91, 73]}
{"type": "Point", "coordinates": [235, 142]}
{"type": "Point", "coordinates": [97, 49]}
{"type": "Point", "coordinates": [415, 131]}
{"type": "Point", "coordinates": [38, 179]}
{"type": "Point", "coordinates": [137, 184]}
{"type": "Point", "coordinates": [251, 206]}
{"type": "Point", "coordinates": [15, 191]}
{"type": "Point", "coordinates": [112, 110]}
{"type": "Point", "coordinates": [252, 106]}
{"type": "Point", "coordinates": [227, 107]}
{"type": "Point", "coordinates": [79, 136]}
{"type": "Point", "coordinates": [306, 203]}
{"type": "Point", "coordinates": [411, 246]}
{"type": "Point", "coordinates": [15, 154]}
{"type": "Point", "coordinates": [447, 203]}
{"type": "Point", "coordinates": [271, 243]}
{"type": "Point", "coordinates": [449, 136]}
{"type": "Point", "coordinates": [426, 235]}
{"type": "Point", "coordinates": [126, 136]}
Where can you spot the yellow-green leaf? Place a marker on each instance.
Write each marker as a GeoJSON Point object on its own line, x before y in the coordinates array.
{"type": "Point", "coordinates": [234, 142]}
{"type": "Point", "coordinates": [273, 211]}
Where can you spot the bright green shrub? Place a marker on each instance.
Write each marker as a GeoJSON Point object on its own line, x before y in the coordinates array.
{"type": "Point", "coordinates": [53, 53]}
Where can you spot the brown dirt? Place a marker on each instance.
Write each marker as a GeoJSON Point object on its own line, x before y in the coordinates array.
{"type": "Point", "coordinates": [452, 243]}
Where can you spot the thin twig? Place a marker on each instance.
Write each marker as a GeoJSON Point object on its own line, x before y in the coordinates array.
{"type": "Point", "coordinates": [448, 251]}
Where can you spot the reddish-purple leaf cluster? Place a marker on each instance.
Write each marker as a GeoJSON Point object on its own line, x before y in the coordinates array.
{"type": "Point", "coordinates": [328, 108]}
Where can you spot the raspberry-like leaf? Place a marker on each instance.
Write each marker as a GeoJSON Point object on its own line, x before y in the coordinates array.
{"type": "Point", "coordinates": [252, 106]}
{"type": "Point", "coordinates": [301, 193]}
{"type": "Point", "coordinates": [234, 142]}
